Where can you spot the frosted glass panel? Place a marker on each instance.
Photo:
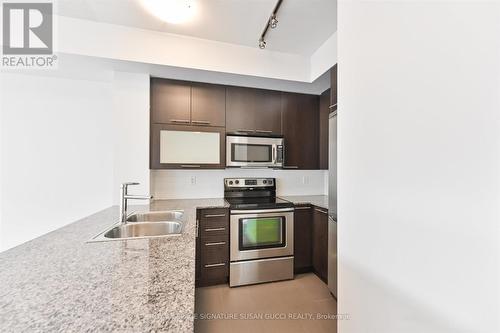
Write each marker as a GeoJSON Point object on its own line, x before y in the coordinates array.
{"type": "Point", "coordinates": [184, 147]}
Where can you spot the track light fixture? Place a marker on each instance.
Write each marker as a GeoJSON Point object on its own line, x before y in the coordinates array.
{"type": "Point", "coordinates": [272, 22]}
{"type": "Point", "coordinates": [262, 44]}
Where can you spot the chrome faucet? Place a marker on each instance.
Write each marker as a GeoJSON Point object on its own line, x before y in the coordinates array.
{"type": "Point", "coordinates": [124, 197]}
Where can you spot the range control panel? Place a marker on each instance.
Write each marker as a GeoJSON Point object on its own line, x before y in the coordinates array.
{"type": "Point", "coordinates": [249, 182]}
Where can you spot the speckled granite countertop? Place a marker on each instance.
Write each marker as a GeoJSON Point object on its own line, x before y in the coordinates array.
{"type": "Point", "coordinates": [59, 282]}
{"type": "Point", "coordinates": [316, 200]}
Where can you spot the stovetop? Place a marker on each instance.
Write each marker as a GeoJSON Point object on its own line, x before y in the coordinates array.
{"type": "Point", "coordinates": [258, 203]}
{"type": "Point", "coordinates": [253, 193]}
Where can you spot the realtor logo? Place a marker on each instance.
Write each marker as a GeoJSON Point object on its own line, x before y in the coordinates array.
{"type": "Point", "coordinates": [27, 38]}
{"type": "Point", "coordinates": [27, 28]}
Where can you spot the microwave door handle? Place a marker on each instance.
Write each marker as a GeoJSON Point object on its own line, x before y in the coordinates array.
{"type": "Point", "coordinates": [274, 154]}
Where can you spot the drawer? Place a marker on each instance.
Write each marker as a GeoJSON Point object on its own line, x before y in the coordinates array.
{"type": "Point", "coordinates": [214, 252]}
{"type": "Point", "coordinates": [214, 273]}
{"type": "Point", "coordinates": [214, 216]}
{"type": "Point", "coordinates": [213, 222]}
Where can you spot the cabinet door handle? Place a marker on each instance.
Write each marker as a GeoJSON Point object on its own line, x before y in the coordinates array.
{"type": "Point", "coordinates": [190, 166]}
{"type": "Point", "coordinates": [215, 265]}
{"type": "Point", "coordinates": [215, 229]}
{"type": "Point", "coordinates": [263, 131]}
{"type": "Point", "coordinates": [245, 130]}
{"type": "Point", "coordinates": [197, 227]}
{"type": "Point", "coordinates": [321, 211]}
{"type": "Point", "coordinates": [290, 167]}
{"type": "Point", "coordinates": [332, 106]}
{"type": "Point", "coordinates": [215, 215]}
{"type": "Point", "coordinates": [181, 121]}
{"type": "Point", "coordinates": [214, 244]}
{"type": "Point", "coordinates": [301, 208]}
{"type": "Point", "coordinates": [203, 122]}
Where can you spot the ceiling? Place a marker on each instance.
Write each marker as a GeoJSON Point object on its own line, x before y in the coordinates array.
{"type": "Point", "coordinates": [303, 24]}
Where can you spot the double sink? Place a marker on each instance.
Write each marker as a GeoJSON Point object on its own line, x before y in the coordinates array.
{"type": "Point", "coordinates": [145, 225]}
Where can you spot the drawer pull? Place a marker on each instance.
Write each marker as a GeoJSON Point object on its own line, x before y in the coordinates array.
{"type": "Point", "coordinates": [180, 121]}
{"type": "Point", "coordinates": [321, 211]}
{"type": "Point", "coordinates": [214, 244]}
{"type": "Point", "coordinates": [216, 265]}
{"type": "Point", "coordinates": [215, 229]}
{"type": "Point", "coordinates": [202, 122]}
{"type": "Point", "coordinates": [301, 208]}
{"type": "Point", "coordinates": [190, 166]}
{"type": "Point", "coordinates": [215, 215]}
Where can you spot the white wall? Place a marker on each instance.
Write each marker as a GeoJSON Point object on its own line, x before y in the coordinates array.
{"type": "Point", "coordinates": [324, 57]}
{"type": "Point", "coordinates": [419, 166]}
{"type": "Point", "coordinates": [57, 162]}
{"type": "Point", "coordinates": [131, 132]}
{"type": "Point", "coordinates": [168, 184]}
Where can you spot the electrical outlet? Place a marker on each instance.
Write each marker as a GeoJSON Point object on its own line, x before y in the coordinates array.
{"type": "Point", "coordinates": [305, 180]}
{"type": "Point", "coordinates": [193, 180]}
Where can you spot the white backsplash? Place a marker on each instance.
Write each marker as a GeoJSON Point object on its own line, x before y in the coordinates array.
{"type": "Point", "coordinates": [185, 184]}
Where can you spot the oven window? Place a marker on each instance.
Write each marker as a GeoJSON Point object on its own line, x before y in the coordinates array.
{"type": "Point", "coordinates": [244, 152]}
{"type": "Point", "coordinates": [261, 233]}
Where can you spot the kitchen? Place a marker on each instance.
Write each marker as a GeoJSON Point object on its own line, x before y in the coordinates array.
{"type": "Point", "coordinates": [177, 167]}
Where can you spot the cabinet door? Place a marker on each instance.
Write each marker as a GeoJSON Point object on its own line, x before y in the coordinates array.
{"type": "Point", "coordinates": [208, 105]}
{"type": "Point", "coordinates": [187, 147]}
{"type": "Point", "coordinates": [240, 106]}
{"type": "Point", "coordinates": [320, 243]}
{"type": "Point", "coordinates": [300, 130]}
{"type": "Point", "coordinates": [170, 102]}
{"type": "Point", "coordinates": [302, 232]}
{"type": "Point", "coordinates": [324, 111]}
{"type": "Point", "coordinates": [333, 88]}
{"type": "Point", "coordinates": [268, 112]}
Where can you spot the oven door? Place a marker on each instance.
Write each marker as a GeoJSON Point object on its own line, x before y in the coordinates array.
{"type": "Point", "coordinates": [247, 151]}
{"type": "Point", "coordinates": [260, 234]}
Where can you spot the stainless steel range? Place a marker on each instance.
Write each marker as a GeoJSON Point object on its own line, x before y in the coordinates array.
{"type": "Point", "coordinates": [261, 232]}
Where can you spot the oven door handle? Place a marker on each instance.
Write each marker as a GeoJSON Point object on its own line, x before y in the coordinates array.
{"type": "Point", "coordinates": [260, 211]}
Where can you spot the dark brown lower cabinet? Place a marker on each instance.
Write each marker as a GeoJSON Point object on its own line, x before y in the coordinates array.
{"type": "Point", "coordinates": [320, 243]}
{"type": "Point", "coordinates": [302, 242]}
{"type": "Point", "coordinates": [212, 247]}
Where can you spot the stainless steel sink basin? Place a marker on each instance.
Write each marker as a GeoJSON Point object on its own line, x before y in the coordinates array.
{"type": "Point", "coordinates": [145, 225]}
{"type": "Point", "coordinates": [144, 229]}
{"type": "Point", "coordinates": [174, 215]}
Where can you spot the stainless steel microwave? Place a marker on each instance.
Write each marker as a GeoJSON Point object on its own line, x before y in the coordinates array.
{"type": "Point", "coordinates": [254, 151]}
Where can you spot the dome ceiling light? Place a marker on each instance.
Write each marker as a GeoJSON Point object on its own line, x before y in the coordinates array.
{"type": "Point", "coordinates": [171, 11]}
{"type": "Point", "coordinates": [272, 22]}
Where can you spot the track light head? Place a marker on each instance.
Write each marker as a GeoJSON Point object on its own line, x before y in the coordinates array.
{"type": "Point", "coordinates": [273, 21]}
{"type": "Point", "coordinates": [262, 43]}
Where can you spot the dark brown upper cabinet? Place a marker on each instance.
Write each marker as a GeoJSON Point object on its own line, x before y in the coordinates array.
{"type": "Point", "coordinates": [239, 109]}
{"type": "Point", "coordinates": [170, 102]}
{"type": "Point", "coordinates": [208, 105]}
{"type": "Point", "coordinates": [300, 130]}
{"type": "Point", "coordinates": [253, 111]}
{"type": "Point", "coordinates": [324, 111]}
{"type": "Point", "coordinates": [268, 112]}
{"type": "Point", "coordinates": [333, 88]}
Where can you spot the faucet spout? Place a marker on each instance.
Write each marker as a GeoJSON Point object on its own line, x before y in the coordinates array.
{"type": "Point", "coordinates": [124, 197]}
